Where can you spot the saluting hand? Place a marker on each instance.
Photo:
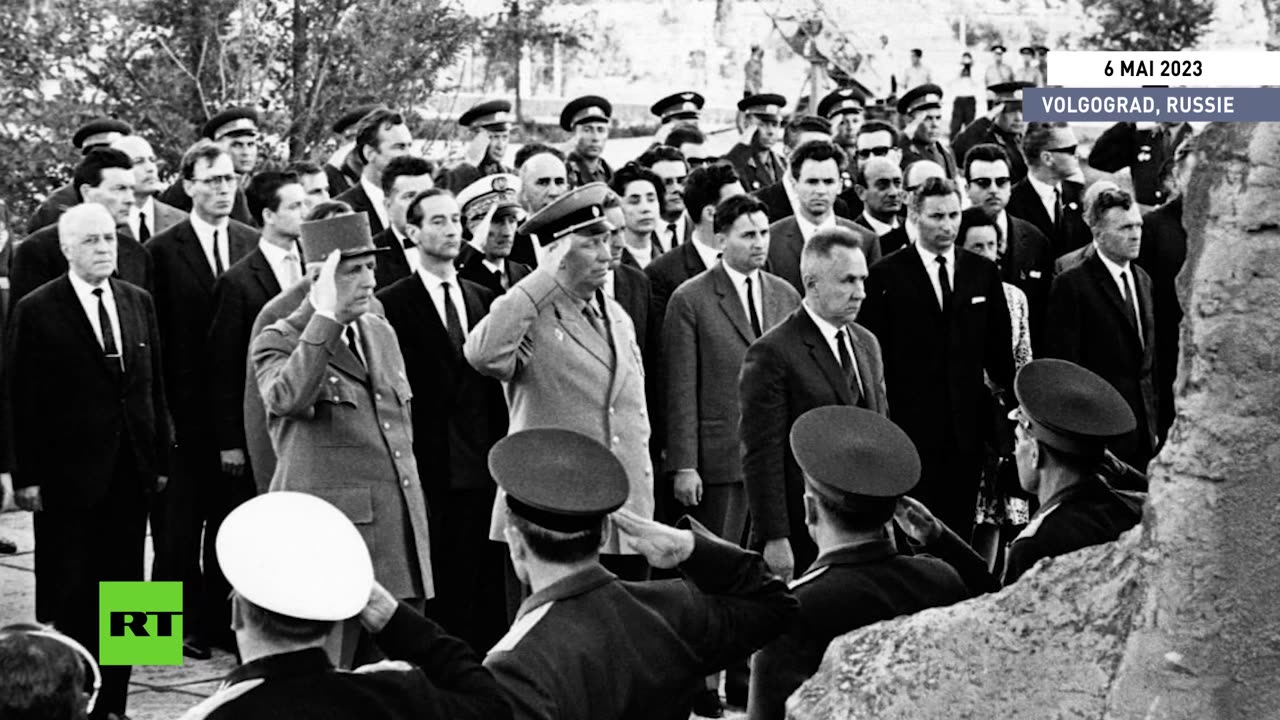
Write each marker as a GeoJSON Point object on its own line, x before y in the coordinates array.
{"type": "Point", "coordinates": [916, 520]}
{"type": "Point", "coordinates": [662, 545]}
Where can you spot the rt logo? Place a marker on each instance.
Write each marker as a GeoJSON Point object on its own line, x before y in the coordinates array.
{"type": "Point", "coordinates": [140, 623]}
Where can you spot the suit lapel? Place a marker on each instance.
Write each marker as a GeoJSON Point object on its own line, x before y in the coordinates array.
{"type": "Point", "coordinates": [239, 244]}
{"type": "Point", "coordinates": [265, 276]}
{"type": "Point", "coordinates": [774, 312]}
{"type": "Point", "coordinates": [130, 335]}
{"type": "Point", "coordinates": [80, 321]}
{"type": "Point", "coordinates": [731, 304]}
{"type": "Point", "coordinates": [862, 358]}
{"type": "Point", "coordinates": [1147, 312]}
{"type": "Point", "coordinates": [193, 253]}
{"type": "Point", "coordinates": [820, 351]}
{"type": "Point", "coordinates": [919, 274]}
{"type": "Point", "coordinates": [1030, 200]}
{"type": "Point", "coordinates": [575, 325]}
{"type": "Point", "coordinates": [692, 260]}
{"type": "Point", "coordinates": [1108, 284]}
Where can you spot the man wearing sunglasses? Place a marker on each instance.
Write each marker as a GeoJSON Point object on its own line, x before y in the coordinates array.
{"type": "Point", "coordinates": [1047, 197]}
{"type": "Point", "coordinates": [1026, 260]}
{"type": "Point", "coordinates": [1002, 126]}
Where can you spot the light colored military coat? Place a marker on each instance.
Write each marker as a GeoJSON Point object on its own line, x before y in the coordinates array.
{"type": "Point", "coordinates": [558, 371]}
{"type": "Point", "coordinates": [343, 432]}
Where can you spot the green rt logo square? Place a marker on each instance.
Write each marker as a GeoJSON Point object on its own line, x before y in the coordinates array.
{"type": "Point", "coordinates": [140, 623]}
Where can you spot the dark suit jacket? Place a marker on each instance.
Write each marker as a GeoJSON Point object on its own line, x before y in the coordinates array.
{"type": "Point", "coordinates": [669, 271]}
{"type": "Point", "coordinates": [1072, 259]}
{"type": "Point", "coordinates": [787, 372]}
{"type": "Point", "coordinates": [1028, 265]}
{"type": "Point", "coordinates": [786, 241]}
{"type": "Point", "coordinates": [477, 272]}
{"type": "Point", "coordinates": [359, 201]}
{"type": "Point", "coordinates": [176, 196]}
{"type": "Point", "coordinates": [891, 241]}
{"type": "Point", "coordinates": [1088, 326]}
{"type": "Point", "coordinates": [1164, 250]}
{"type": "Point", "coordinates": [934, 362]}
{"type": "Point", "coordinates": [184, 306]}
{"type": "Point", "coordinates": [463, 413]}
{"type": "Point", "coordinates": [39, 259]}
{"type": "Point", "coordinates": [238, 297]}
{"type": "Point", "coordinates": [52, 208]}
{"type": "Point", "coordinates": [778, 203]}
{"type": "Point", "coordinates": [1025, 203]}
{"type": "Point", "coordinates": [60, 384]}
{"type": "Point", "coordinates": [392, 266]}
{"type": "Point", "coordinates": [632, 290]}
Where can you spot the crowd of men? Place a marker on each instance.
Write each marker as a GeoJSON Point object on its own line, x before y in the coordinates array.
{"type": "Point", "coordinates": [587, 420]}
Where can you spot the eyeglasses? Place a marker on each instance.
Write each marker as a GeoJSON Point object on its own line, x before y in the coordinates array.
{"type": "Point", "coordinates": [865, 153]}
{"type": "Point", "coordinates": [699, 162]}
{"type": "Point", "coordinates": [1069, 150]}
{"type": "Point", "coordinates": [985, 183]}
{"type": "Point", "coordinates": [216, 180]}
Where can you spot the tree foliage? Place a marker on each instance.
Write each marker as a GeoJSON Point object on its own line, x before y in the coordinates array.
{"type": "Point", "coordinates": [523, 25]}
{"type": "Point", "coordinates": [1147, 25]}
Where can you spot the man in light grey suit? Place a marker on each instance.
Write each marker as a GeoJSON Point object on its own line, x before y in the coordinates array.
{"type": "Point", "coordinates": [710, 321]}
{"type": "Point", "coordinates": [568, 357]}
{"type": "Point", "coordinates": [815, 166]}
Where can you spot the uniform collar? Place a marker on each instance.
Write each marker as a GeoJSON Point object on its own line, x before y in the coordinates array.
{"type": "Point", "coordinates": [310, 661]}
{"type": "Point", "coordinates": [577, 584]}
{"type": "Point", "coordinates": [857, 553]}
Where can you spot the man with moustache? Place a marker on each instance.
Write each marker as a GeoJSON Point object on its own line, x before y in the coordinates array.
{"type": "Point", "coordinates": [879, 184]}
{"type": "Point", "coordinates": [568, 355]}
{"type": "Point", "coordinates": [753, 157]}
{"type": "Point", "coordinates": [148, 216]}
{"type": "Point", "coordinates": [189, 258]}
{"type": "Point", "coordinates": [104, 177]}
{"type": "Point", "coordinates": [923, 134]}
{"type": "Point", "coordinates": [381, 136]}
{"type": "Point", "coordinates": [815, 167]}
{"type": "Point", "coordinates": [816, 356]}
{"type": "Point", "coordinates": [941, 319]}
{"type": "Point", "coordinates": [588, 119]}
{"type": "Point", "coordinates": [490, 215]}
{"type": "Point", "coordinates": [235, 130]}
{"type": "Point", "coordinates": [1001, 126]}
{"type": "Point", "coordinates": [401, 181]}
{"type": "Point", "coordinates": [543, 178]}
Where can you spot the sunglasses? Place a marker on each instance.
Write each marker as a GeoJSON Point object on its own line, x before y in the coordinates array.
{"type": "Point", "coordinates": [865, 153]}
{"type": "Point", "coordinates": [985, 183]}
{"type": "Point", "coordinates": [1069, 150]}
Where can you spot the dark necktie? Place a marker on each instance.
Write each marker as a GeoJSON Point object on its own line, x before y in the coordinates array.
{"type": "Point", "coordinates": [108, 333]}
{"type": "Point", "coordinates": [451, 322]}
{"type": "Point", "coordinates": [671, 231]}
{"type": "Point", "coordinates": [354, 344]}
{"type": "Point", "coordinates": [408, 244]}
{"type": "Point", "coordinates": [944, 282]}
{"type": "Point", "coordinates": [218, 267]}
{"type": "Point", "coordinates": [1057, 210]}
{"type": "Point", "coordinates": [751, 310]}
{"type": "Point", "coordinates": [500, 278]}
{"type": "Point", "coordinates": [850, 370]}
{"type": "Point", "coordinates": [1129, 312]}
{"type": "Point", "coordinates": [144, 232]}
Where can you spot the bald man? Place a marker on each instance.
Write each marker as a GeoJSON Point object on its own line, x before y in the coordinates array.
{"type": "Point", "coordinates": [148, 216]}
{"type": "Point", "coordinates": [84, 354]}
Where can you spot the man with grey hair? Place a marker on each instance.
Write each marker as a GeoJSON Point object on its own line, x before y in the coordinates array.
{"type": "Point", "coordinates": [1080, 254]}
{"type": "Point", "coordinates": [1048, 197]}
{"type": "Point", "coordinates": [1101, 317]}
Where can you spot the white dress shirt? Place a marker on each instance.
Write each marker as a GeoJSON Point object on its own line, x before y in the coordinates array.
{"type": "Point", "coordinates": [1049, 194]}
{"type": "Point", "coordinates": [204, 233]}
{"type": "Point", "coordinates": [740, 284]}
{"type": "Point", "coordinates": [89, 301]}
{"type": "Point", "coordinates": [500, 267]}
{"type": "Point", "coordinates": [285, 264]}
{"type": "Point", "coordinates": [706, 253]}
{"type": "Point", "coordinates": [609, 288]}
{"type": "Point", "coordinates": [411, 255]}
{"type": "Point", "coordinates": [831, 334]}
{"type": "Point", "coordinates": [879, 228]}
{"type": "Point", "coordinates": [930, 260]}
{"type": "Point", "coordinates": [377, 198]}
{"type": "Point", "coordinates": [435, 288]}
{"type": "Point", "coordinates": [807, 229]}
{"type": "Point", "coordinates": [1127, 268]}
{"type": "Point", "coordinates": [137, 212]}
{"type": "Point", "coordinates": [1002, 222]}
{"type": "Point", "coordinates": [672, 238]}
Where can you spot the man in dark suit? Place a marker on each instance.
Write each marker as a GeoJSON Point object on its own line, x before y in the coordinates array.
{"type": "Point", "coordinates": [490, 215]}
{"type": "Point", "coordinates": [83, 352]}
{"type": "Point", "coordinates": [103, 177]}
{"type": "Point", "coordinates": [1101, 317]}
{"type": "Point", "coordinates": [344, 167]}
{"type": "Point", "coordinates": [96, 133]}
{"type": "Point", "coordinates": [815, 167]}
{"type": "Point", "coordinates": [1046, 198]}
{"type": "Point", "coordinates": [817, 356]}
{"type": "Point", "coordinates": [941, 318]}
{"type": "Point", "coordinates": [402, 179]}
{"type": "Point", "coordinates": [431, 312]}
{"type": "Point", "coordinates": [381, 136]}
{"type": "Point", "coordinates": [276, 201]}
{"type": "Point", "coordinates": [189, 257]}
{"type": "Point", "coordinates": [1027, 260]}
{"type": "Point", "coordinates": [235, 130]}
{"type": "Point", "coordinates": [879, 185]}
{"type": "Point", "coordinates": [148, 216]}
{"type": "Point", "coordinates": [668, 164]}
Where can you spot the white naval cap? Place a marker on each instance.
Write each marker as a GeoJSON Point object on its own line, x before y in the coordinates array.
{"type": "Point", "coordinates": [297, 555]}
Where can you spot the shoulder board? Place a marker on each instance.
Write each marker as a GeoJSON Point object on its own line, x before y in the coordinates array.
{"type": "Point", "coordinates": [224, 695]}
{"type": "Point", "coordinates": [1034, 525]}
{"type": "Point", "coordinates": [384, 666]}
{"type": "Point", "coordinates": [519, 630]}
{"type": "Point", "coordinates": [808, 577]}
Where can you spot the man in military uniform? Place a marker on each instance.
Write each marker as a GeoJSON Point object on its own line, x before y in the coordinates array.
{"type": "Point", "coordinates": [1002, 126]}
{"type": "Point", "coordinates": [1147, 149]}
{"type": "Point", "coordinates": [682, 108]}
{"type": "Point", "coordinates": [922, 137]}
{"type": "Point", "coordinates": [99, 132]}
{"type": "Point", "coordinates": [490, 215]}
{"type": "Point", "coordinates": [235, 130]}
{"type": "Point", "coordinates": [299, 568]}
{"type": "Point", "coordinates": [857, 464]}
{"type": "Point", "coordinates": [753, 157]}
{"type": "Point", "coordinates": [1030, 70]}
{"type": "Point", "coordinates": [588, 118]}
{"type": "Point", "coordinates": [585, 645]}
{"type": "Point", "coordinates": [997, 72]}
{"type": "Point", "coordinates": [845, 107]}
{"type": "Point", "coordinates": [490, 123]}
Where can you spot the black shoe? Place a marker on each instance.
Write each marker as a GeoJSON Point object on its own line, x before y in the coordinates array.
{"type": "Point", "coordinates": [7, 546]}
{"type": "Point", "coordinates": [707, 704]}
{"type": "Point", "coordinates": [196, 649]}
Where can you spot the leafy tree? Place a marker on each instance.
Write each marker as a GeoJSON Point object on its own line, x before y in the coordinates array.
{"type": "Point", "coordinates": [523, 25]}
{"type": "Point", "coordinates": [1147, 25]}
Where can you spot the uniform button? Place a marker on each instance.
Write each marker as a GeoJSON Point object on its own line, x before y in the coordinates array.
{"type": "Point", "coordinates": [406, 482]}
{"type": "Point", "coordinates": [612, 410]}
{"type": "Point", "coordinates": [386, 426]}
{"type": "Point", "coordinates": [333, 378]}
{"type": "Point", "coordinates": [616, 440]}
{"type": "Point", "coordinates": [397, 453]}
{"type": "Point", "coordinates": [377, 396]}
{"type": "Point", "coordinates": [648, 471]}
{"type": "Point", "coordinates": [336, 398]}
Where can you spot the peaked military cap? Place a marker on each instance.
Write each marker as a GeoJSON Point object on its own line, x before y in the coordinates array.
{"type": "Point", "coordinates": [353, 116]}
{"type": "Point", "coordinates": [558, 479]}
{"type": "Point", "coordinates": [849, 454]}
{"type": "Point", "coordinates": [1040, 49]}
{"type": "Point", "coordinates": [490, 115]}
{"type": "Point", "coordinates": [295, 554]}
{"type": "Point", "coordinates": [476, 198]}
{"type": "Point", "coordinates": [346, 233]}
{"type": "Point", "coordinates": [680, 106]}
{"type": "Point", "coordinates": [578, 210]}
{"type": "Point", "coordinates": [843, 101]}
{"type": "Point", "coordinates": [766, 105]}
{"type": "Point", "coordinates": [999, 48]}
{"type": "Point", "coordinates": [232, 121]}
{"type": "Point", "coordinates": [920, 97]}
{"type": "Point", "coordinates": [1071, 409]}
{"type": "Point", "coordinates": [1009, 92]}
{"type": "Point", "coordinates": [1026, 50]}
{"type": "Point", "coordinates": [588, 108]}
{"type": "Point", "coordinates": [810, 123]}
{"type": "Point", "coordinates": [99, 132]}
